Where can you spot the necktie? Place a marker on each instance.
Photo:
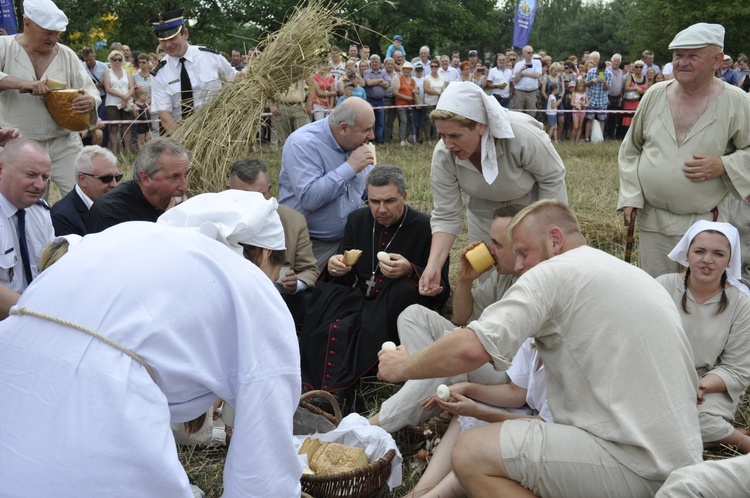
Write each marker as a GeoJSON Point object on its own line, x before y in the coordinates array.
{"type": "Point", "coordinates": [186, 89]}
{"type": "Point", "coordinates": [21, 217]}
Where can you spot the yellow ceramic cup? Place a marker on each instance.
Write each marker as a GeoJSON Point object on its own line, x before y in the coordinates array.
{"type": "Point", "coordinates": [479, 257]}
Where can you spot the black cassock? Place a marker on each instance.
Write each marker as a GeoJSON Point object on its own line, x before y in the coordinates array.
{"type": "Point", "coordinates": [344, 328]}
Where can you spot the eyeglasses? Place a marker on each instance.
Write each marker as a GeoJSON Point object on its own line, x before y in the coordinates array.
{"type": "Point", "coordinates": [105, 178]}
{"type": "Point", "coordinates": [116, 59]}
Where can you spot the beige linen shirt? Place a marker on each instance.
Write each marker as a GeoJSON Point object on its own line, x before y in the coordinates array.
{"type": "Point", "coordinates": [617, 361]}
{"type": "Point", "coordinates": [529, 169]}
{"type": "Point", "coordinates": [27, 112]}
{"type": "Point", "coordinates": [721, 343]}
{"type": "Point", "coordinates": [651, 161]}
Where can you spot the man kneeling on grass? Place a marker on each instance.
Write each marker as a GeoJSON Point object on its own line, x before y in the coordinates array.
{"type": "Point", "coordinates": [612, 343]}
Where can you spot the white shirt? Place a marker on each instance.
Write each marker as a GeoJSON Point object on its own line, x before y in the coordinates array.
{"type": "Point", "coordinates": [39, 233]}
{"type": "Point", "coordinates": [207, 71]}
{"type": "Point", "coordinates": [451, 74]}
{"type": "Point", "coordinates": [527, 84]}
{"type": "Point", "coordinates": [498, 77]}
{"type": "Point", "coordinates": [524, 373]}
{"type": "Point", "coordinates": [85, 198]}
{"type": "Point", "coordinates": [208, 322]}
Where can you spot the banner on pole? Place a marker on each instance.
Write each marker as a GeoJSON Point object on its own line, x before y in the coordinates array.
{"type": "Point", "coordinates": [524, 20]}
{"type": "Point", "coordinates": [8, 17]}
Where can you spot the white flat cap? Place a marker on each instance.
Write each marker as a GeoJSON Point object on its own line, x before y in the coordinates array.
{"type": "Point", "coordinates": [698, 36]}
{"type": "Point", "coordinates": [46, 14]}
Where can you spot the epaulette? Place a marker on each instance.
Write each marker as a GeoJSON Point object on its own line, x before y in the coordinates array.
{"type": "Point", "coordinates": [43, 203]}
{"type": "Point", "coordinates": [209, 49]}
{"type": "Point", "coordinates": [160, 65]}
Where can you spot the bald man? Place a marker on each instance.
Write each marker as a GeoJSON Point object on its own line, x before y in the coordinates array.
{"type": "Point", "coordinates": [323, 170]}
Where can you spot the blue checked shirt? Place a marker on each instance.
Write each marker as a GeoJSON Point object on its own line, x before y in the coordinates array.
{"type": "Point", "coordinates": [597, 93]}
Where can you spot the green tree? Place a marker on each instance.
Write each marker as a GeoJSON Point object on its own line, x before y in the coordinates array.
{"type": "Point", "coordinates": [656, 22]}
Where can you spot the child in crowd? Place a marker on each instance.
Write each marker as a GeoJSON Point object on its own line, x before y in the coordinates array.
{"type": "Point", "coordinates": [142, 113]}
{"type": "Point", "coordinates": [348, 88]}
{"type": "Point", "coordinates": [552, 103]}
{"type": "Point", "coordinates": [358, 91]}
{"type": "Point", "coordinates": [398, 40]}
{"type": "Point", "coordinates": [580, 102]}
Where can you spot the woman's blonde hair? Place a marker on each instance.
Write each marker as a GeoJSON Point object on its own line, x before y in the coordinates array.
{"type": "Point", "coordinates": [115, 53]}
{"type": "Point", "coordinates": [52, 253]}
{"type": "Point", "coordinates": [442, 114]}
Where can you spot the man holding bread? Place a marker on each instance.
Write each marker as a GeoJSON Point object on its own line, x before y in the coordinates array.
{"type": "Point", "coordinates": [27, 60]}
{"type": "Point", "coordinates": [363, 288]}
{"type": "Point", "coordinates": [323, 170]}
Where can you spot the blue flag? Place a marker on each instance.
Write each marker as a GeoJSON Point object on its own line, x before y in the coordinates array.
{"type": "Point", "coordinates": [524, 20]}
{"type": "Point", "coordinates": [8, 17]}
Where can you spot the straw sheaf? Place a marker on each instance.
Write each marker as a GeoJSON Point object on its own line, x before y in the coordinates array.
{"type": "Point", "coordinates": [226, 128]}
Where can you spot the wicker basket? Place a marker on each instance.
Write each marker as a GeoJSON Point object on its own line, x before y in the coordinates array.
{"type": "Point", "coordinates": [364, 482]}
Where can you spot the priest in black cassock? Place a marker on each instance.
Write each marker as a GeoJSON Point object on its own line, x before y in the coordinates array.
{"type": "Point", "coordinates": [354, 308]}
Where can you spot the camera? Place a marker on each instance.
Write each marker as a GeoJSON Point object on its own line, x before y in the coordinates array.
{"type": "Point", "coordinates": [480, 70]}
{"type": "Point", "coordinates": [529, 66]}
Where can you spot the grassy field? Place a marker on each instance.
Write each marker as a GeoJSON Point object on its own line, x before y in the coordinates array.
{"type": "Point", "coordinates": [592, 189]}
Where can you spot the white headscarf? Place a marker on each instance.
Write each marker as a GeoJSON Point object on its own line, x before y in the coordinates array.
{"type": "Point", "coordinates": [231, 217]}
{"type": "Point", "coordinates": [734, 270]}
{"type": "Point", "coordinates": [468, 100]}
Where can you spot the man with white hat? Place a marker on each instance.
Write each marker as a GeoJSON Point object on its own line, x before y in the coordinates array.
{"type": "Point", "coordinates": [687, 150]}
{"type": "Point", "coordinates": [188, 76]}
{"type": "Point", "coordinates": [27, 59]}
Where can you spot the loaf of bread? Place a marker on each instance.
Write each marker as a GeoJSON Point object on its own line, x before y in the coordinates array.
{"type": "Point", "coordinates": [371, 147]}
{"type": "Point", "coordinates": [59, 103]}
{"type": "Point", "coordinates": [334, 458]}
{"type": "Point", "coordinates": [309, 447]}
{"type": "Point", "coordinates": [352, 256]}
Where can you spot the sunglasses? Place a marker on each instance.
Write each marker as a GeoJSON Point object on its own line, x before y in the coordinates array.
{"type": "Point", "coordinates": [434, 65]}
{"type": "Point", "coordinates": [106, 178]}
{"type": "Point", "coordinates": [116, 59]}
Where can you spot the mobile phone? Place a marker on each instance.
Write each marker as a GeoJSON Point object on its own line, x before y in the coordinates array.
{"type": "Point", "coordinates": [601, 74]}
{"type": "Point", "coordinates": [529, 66]}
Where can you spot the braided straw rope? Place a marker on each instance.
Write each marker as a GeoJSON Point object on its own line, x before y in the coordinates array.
{"type": "Point", "coordinates": [122, 349]}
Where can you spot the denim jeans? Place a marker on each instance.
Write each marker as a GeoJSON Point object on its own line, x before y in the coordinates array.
{"type": "Point", "coordinates": [379, 118]}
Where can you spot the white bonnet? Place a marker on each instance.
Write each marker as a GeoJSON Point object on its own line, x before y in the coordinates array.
{"type": "Point", "coordinates": [231, 217]}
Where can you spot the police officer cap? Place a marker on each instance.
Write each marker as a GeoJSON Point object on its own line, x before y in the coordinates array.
{"type": "Point", "coordinates": [168, 24]}
{"type": "Point", "coordinates": [698, 36]}
{"type": "Point", "coordinates": [46, 14]}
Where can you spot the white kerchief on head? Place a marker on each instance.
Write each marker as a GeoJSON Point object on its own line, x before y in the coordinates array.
{"type": "Point", "coordinates": [734, 270]}
{"type": "Point", "coordinates": [231, 217]}
{"type": "Point", "coordinates": [46, 14]}
{"type": "Point", "coordinates": [468, 100]}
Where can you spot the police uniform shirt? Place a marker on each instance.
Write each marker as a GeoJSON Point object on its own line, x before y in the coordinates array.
{"type": "Point", "coordinates": [39, 233]}
{"type": "Point", "coordinates": [207, 70]}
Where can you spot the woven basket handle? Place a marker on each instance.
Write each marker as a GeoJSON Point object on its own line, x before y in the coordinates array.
{"type": "Point", "coordinates": [325, 394]}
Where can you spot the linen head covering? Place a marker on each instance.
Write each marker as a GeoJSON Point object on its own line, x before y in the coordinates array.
{"type": "Point", "coordinates": [46, 14]}
{"type": "Point", "coordinates": [468, 100]}
{"type": "Point", "coordinates": [734, 270]}
{"type": "Point", "coordinates": [698, 36]}
{"type": "Point", "coordinates": [231, 217]}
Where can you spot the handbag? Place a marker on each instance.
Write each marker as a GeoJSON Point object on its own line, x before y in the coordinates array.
{"type": "Point", "coordinates": [631, 95]}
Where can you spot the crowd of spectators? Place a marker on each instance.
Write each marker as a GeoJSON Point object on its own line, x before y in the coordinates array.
{"type": "Point", "coordinates": [403, 101]}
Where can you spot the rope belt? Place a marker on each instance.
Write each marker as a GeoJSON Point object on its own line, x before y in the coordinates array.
{"type": "Point", "coordinates": [122, 349]}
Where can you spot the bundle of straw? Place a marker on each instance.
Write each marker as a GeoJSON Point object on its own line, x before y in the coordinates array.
{"type": "Point", "coordinates": [226, 128]}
